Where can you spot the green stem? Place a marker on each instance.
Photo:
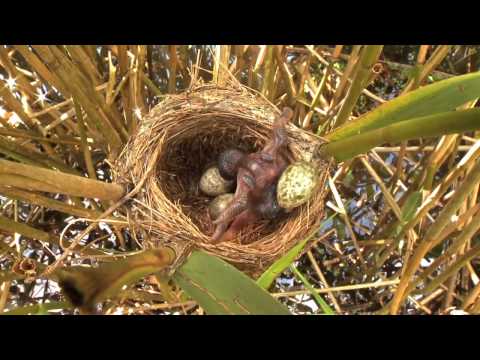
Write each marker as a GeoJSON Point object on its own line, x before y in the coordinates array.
{"type": "Point", "coordinates": [368, 58]}
{"type": "Point", "coordinates": [326, 309]}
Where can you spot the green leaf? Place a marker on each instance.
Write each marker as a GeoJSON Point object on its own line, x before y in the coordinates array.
{"type": "Point", "coordinates": [409, 209]}
{"type": "Point", "coordinates": [267, 278]}
{"type": "Point", "coordinates": [221, 289]}
{"type": "Point", "coordinates": [323, 305]}
{"type": "Point", "coordinates": [439, 97]}
{"type": "Point", "coordinates": [426, 126]}
{"type": "Point", "coordinates": [411, 205]}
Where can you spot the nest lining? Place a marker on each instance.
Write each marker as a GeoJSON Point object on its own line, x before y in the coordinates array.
{"type": "Point", "coordinates": [184, 134]}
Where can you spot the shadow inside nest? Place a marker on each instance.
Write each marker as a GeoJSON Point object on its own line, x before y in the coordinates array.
{"type": "Point", "coordinates": [179, 171]}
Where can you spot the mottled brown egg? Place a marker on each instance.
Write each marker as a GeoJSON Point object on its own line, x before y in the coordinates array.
{"type": "Point", "coordinates": [297, 184]}
{"type": "Point", "coordinates": [219, 204]}
{"type": "Point", "coordinates": [213, 184]}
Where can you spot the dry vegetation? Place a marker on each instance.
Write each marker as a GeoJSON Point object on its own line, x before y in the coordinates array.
{"type": "Point", "coordinates": [400, 228]}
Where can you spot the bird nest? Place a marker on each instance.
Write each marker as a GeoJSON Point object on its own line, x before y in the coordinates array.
{"type": "Point", "coordinates": [172, 147]}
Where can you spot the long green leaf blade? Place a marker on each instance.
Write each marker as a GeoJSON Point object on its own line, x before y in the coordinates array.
{"type": "Point", "coordinates": [221, 289]}
{"type": "Point", "coordinates": [269, 276]}
{"type": "Point", "coordinates": [427, 126]}
{"type": "Point", "coordinates": [439, 97]}
{"type": "Point", "coordinates": [325, 307]}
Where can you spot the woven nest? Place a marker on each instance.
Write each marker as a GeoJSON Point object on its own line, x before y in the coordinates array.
{"type": "Point", "coordinates": [177, 141]}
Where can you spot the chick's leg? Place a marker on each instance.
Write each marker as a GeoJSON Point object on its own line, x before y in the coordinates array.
{"type": "Point", "coordinates": [245, 218]}
{"type": "Point", "coordinates": [236, 208]}
{"type": "Point", "coordinates": [246, 183]}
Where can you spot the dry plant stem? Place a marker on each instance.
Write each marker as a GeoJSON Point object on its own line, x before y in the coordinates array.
{"type": "Point", "coordinates": [337, 51]}
{"type": "Point", "coordinates": [13, 227]}
{"type": "Point", "coordinates": [39, 66]}
{"type": "Point", "coordinates": [433, 232]}
{"type": "Point", "coordinates": [324, 281]}
{"type": "Point", "coordinates": [108, 212]}
{"type": "Point", "coordinates": [4, 292]}
{"type": "Point", "coordinates": [24, 85]}
{"type": "Point", "coordinates": [16, 106]}
{"type": "Point", "coordinates": [321, 87]}
{"type": "Point", "coordinates": [432, 296]}
{"type": "Point", "coordinates": [420, 306]}
{"type": "Point", "coordinates": [463, 219]}
{"type": "Point", "coordinates": [27, 135]}
{"type": "Point", "coordinates": [166, 306]}
{"type": "Point", "coordinates": [155, 90]}
{"type": "Point", "coordinates": [475, 309]}
{"type": "Point", "coordinates": [451, 284]}
{"type": "Point", "coordinates": [36, 178]}
{"type": "Point", "coordinates": [304, 76]}
{"type": "Point", "coordinates": [352, 61]}
{"type": "Point", "coordinates": [466, 234]}
{"type": "Point", "coordinates": [388, 197]}
{"type": "Point", "coordinates": [112, 72]}
{"type": "Point", "coordinates": [72, 76]}
{"type": "Point", "coordinates": [387, 168]}
{"type": "Point", "coordinates": [220, 72]}
{"type": "Point", "coordinates": [389, 149]}
{"type": "Point", "coordinates": [78, 86]}
{"type": "Point", "coordinates": [434, 197]}
{"type": "Point", "coordinates": [452, 270]}
{"type": "Point", "coordinates": [136, 82]}
{"type": "Point", "coordinates": [469, 273]}
{"type": "Point", "coordinates": [40, 200]}
{"type": "Point", "coordinates": [269, 73]}
{"type": "Point", "coordinates": [84, 145]}
{"type": "Point", "coordinates": [125, 71]}
{"type": "Point", "coordinates": [434, 60]}
{"type": "Point", "coordinates": [172, 69]}
{"type": "Point", "coordinates": [85, 63]}
{"type": "Point", "coordinates": [345, 218]}
{"type": "Point", "coordinates": [56, 107]}
{"type": "Point", "coordinates": [338, 288]}
{"type": "Point", "coordinates": [31, 156]}
{"type": "Point", "coordinates": [395, 65]}
{"type": "Point", "coordinates": [286, 75]}
{"type": "Point", "coordinates": [437, 158]}
{"type": "Point", "coordinates": [471, 297]}
{"type": "Point", "coordinates": [338, 72]}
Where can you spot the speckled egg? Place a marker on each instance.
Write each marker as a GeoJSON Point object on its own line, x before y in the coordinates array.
{"type": "Point", "coordinates": [213, 184]}
{"type": "Point", "coordinates": [219, 204]}
{"type": "Point", "coordinates": [296, 185]}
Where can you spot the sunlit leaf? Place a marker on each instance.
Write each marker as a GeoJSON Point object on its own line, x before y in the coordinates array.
{"type": "Point", "coordinates": [221, 289]}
